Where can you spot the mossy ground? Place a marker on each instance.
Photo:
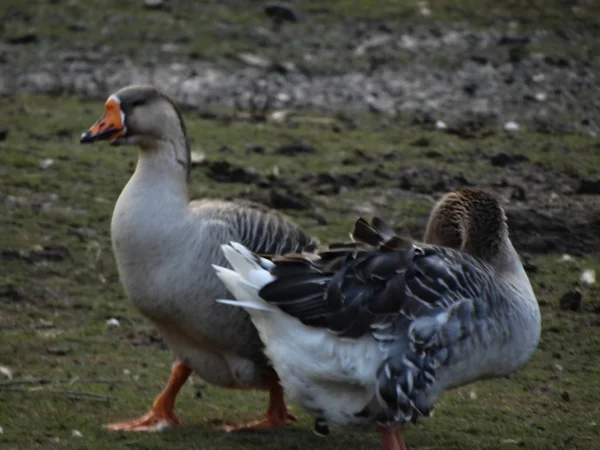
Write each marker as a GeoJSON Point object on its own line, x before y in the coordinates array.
{"type": "Point", "coordinates": [55, 326]}
{"type": "Point", "coordinates": [53, 313]}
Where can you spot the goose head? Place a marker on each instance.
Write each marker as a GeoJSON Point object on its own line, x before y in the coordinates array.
{"type": "Point", "coordinates": [141, 115]}
{"type": "Point", "coordinates": [470, 220]}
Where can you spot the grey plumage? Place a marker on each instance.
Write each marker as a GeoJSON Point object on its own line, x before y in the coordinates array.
{"type": "Point", "coordinates": [402, 320]}
{"type": "Point", "coordinates": [164, 246]}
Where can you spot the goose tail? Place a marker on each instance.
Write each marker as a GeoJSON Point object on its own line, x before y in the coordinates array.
{"type": "Point", "coordinates": [249, 273]}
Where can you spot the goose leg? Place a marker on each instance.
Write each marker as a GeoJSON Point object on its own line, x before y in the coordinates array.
{"type": "Point", "coordinates": [392, 439]}
{"type": "Point", "coordinates": [161, 415]}
{"type": "Point", "coordinates": [277, 414]}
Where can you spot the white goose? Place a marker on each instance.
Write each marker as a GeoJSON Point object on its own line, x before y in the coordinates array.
{"type": "Point", "coordinates": [374, 331]}
{"type": "Point", "coordinates": [164, 246]}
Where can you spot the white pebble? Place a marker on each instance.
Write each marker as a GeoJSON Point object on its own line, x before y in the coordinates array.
{"type": "Point", "coordinates": [126, 372]}
{"type": "Point", "coordinates": [1, 430]}
{"type": "Point", "coordinates": [541, 96]}
{"type": "Point", "coordinates": [280, 116]}
{"type": "Point", "coordinates": [558, 368]}
{"type": "Point", "coordinates": [46, 163]}
{"type": "Point", "coordinates": [197, 157]}
{"type": "Point", "coordinates": [441, 125]}
{"type": "Point", "coordinates": [566, 258]}
{"type": "Point", "coordinates": [283, 97]}
{"type": "Point", "coordinates": [538, 77]}
{"type": "Point", "coordinates": [76, 433]}
{"type": "Point", "coordinates": [5, 370]}
{"type": "Point", "coordinates": [424, 9]}
{"type": "Point", "coordinates": [162, 425]}
{"type": "Point", "coordinates": [112, 322]}
{"type": "Point", "coordinates": [473, 395]}
{"type": "Point", "coordinates": [588, 276]}
{"type": "Point", "coordinates": [511, 126]}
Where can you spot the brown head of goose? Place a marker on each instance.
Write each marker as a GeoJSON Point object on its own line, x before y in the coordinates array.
{"type": "Point", "coordinates": [373, 331]}
{"type": "Point", "coordinates": [164, 247]}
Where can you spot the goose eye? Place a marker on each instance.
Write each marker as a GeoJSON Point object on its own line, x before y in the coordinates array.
{"type": "Point", "coordinates": [138, 103]}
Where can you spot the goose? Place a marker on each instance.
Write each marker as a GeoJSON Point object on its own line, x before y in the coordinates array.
{"type": "Point", "coordinates": [164, 246]}
{"type": "Point", "coordinates": [372, 332]}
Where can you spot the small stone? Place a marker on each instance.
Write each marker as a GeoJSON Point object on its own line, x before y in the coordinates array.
{"type": "Point", "coordinates": [538, 77]}
{"type": "Point", "coordinates": [7, 371]}
{"type": "Point", "coordinates": [1, 430]}
{"type": "Point", "coordinates": [282, 12]}
{"type": "Point", "coordinates": [283, 97]}
{"type": "Point", "coordinates": [126, 372]}
{"type": "Point", "coordinates": [558, 367]}
{"type": "Point", "coordinates": [83, 232]}
{"type": "Point", "coordinates": [511, 126]}
{"type": "Point", "coordinates": [440, 125]}
{"type": "Point", "coordinates": [565, 396]}
{"type": "Point", "coordinates": [59, 350]}
{"type": "Point", "coordinates": [154, 4]}
{"type": "Point", "coordinates": [509, 441]}
{"type": "Point", "coordinates": [473, 395]}
{"type": "Point", "coordinates": [571, 301]}
{"type": "Point", "coordinates": [541, 96]}
{"type": "Point", "coordinates": [112, 322]}
{"type": "Point", "coordinates": [197, 157]}
{"type": "Point", "coordinates": [46, 163]}
{"type": "Point", "coordinates": [424, 9]}
{"type": "Point", "coordinates": [565, 257]}
{"type": "Point", "coordinates": [76, 433]}
{"type": "Point", "coordinates": [588, 276]}
{"type": "Point", "coordinates": [254, 60]}
{"type": "Point", "coordinates": [280, 116]}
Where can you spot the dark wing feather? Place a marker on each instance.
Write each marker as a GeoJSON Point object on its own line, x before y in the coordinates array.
{"type": "Point", "coordinates": [380, 286]}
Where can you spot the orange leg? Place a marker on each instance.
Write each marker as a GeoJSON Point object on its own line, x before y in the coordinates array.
{"type": "Point", "coordinates": [277, 414]}
{"type": "Point", "coordinates": [392, 439]}
{"type": "Point", "coordinates": [161, 415]}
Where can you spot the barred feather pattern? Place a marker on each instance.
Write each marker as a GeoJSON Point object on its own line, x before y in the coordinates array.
{"type": "Point", "coordinates": [425, 305]}
{"type": "Point", "coordinates": [263, 230]}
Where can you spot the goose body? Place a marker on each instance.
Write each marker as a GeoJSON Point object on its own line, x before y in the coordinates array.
{"type": "Point", "coordinates": [164, 246]}
{"type": "Point", "coordinates": [374, 331]}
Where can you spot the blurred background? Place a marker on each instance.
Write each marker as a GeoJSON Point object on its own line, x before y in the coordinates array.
{"type": "Point", "coordinates": [326, 110]}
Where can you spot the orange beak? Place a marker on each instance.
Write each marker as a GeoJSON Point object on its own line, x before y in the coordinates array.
{"type": "Point", "coordinates": [110, 126]}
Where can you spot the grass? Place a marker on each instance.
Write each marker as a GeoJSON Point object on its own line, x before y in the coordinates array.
{"type": "Point", "coordinates": [53, 314]}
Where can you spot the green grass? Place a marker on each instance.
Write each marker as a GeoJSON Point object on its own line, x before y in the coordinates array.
{"type": "Point", "coordinates": [55, 328]}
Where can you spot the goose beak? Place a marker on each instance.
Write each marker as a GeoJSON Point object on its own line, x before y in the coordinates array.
{"type": "Point", "coordinates": [110, 126]}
